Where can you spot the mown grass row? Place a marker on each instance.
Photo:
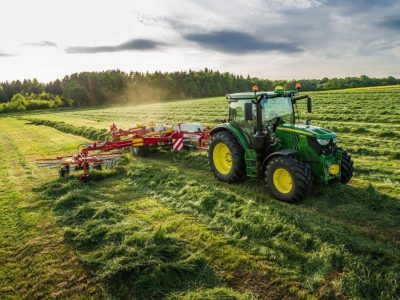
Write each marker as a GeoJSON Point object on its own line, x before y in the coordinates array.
{"type": "Point", "coordinates": [363, 131]}
{"type": "Point", "coordinates": [327, 258]}
{"type": "Point", "coordinates": [139, 249]}
{"type": "Point", "coordinates": [84, 131]}
{"type": "Point", "coordinates": [34, 261]}
{"type": "Point", "coordinates": [375, 171]}
{"type": "Point", "coordinates": [134, 261]}
{"type": "Point", "coordinates": [372, 151]}
{"type": "Point", "coordinates": [355, 211]}
{"type": "Point", "coordinates": [299, 242]}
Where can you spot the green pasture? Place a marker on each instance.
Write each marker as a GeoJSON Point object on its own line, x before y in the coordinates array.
{"type": "Point", "coordinates": [163, 228]}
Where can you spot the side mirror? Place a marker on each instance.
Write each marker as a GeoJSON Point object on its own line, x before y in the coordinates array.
{"type": "Point", "coordinates": [248, 111]}
{"type": "Point", "coordinates": [309, 105]}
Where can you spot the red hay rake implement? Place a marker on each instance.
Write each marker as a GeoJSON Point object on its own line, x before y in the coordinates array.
{"type": "Point", "coordinates": [139, 138]}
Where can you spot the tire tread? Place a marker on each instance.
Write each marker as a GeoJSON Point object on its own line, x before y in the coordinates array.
{"type": "Point", "coordinates": [301, 172]}
{"type": "Point", "coordinates": [347, 166]}
{"type": "Point", "coordinates": [238, 172]}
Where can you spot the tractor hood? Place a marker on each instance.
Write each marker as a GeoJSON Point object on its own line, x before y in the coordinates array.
{"type": "Point", "coordinates": [308, 130]}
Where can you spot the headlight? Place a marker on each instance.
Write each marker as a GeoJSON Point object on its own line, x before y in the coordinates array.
{"type": "Point", "coordinates": [323, 142]}
{"type": "Point", "coordinates": [334, 140]}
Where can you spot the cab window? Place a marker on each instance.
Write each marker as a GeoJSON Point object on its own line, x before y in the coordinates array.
{"type": "Point", "coordinates": [277, 107]}
{"type": "Point", "coordinates": [237, 112]}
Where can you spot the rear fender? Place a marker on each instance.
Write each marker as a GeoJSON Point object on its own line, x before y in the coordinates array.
{"type": "Point", "coordinates": [240, 137]}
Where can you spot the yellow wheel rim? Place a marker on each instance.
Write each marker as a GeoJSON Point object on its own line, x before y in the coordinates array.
{"type": "Point", "coordinates": [222, 158]}
{"type": "Point", "coordinates": [334, 169]}
{"type": "Point", "coordinates": [283, 181]}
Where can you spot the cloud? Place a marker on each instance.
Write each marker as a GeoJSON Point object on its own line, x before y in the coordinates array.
{"type": "Point", "coordinates": [160, 21]}
{"type": "Point", "coordinates": [236, 42]}
{"type": "Point", "coordinates": [42, 44]}
{"type": "Point", "coordinates": [283, 4]}
{"type": "Point", "coordinates": [391, 23]}
{"type": "Point", "coordinates": [359, 6]}
{"type": "Point", "coordinates": [3, 54]}
{"type": "Point", "coordinates": [135, 44]}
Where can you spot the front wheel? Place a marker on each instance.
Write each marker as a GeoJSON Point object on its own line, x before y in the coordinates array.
{"type": "Point", "coordinates": [288, 179]}
{"type": "Point", "coordinates": [346, 167]}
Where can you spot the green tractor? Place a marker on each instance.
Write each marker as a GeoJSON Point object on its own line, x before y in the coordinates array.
{"type": "Point", "coordinates": [262, 139]}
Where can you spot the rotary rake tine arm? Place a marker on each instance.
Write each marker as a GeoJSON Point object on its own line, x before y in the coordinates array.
{"type": "Point", "coordinates": [136, 137]}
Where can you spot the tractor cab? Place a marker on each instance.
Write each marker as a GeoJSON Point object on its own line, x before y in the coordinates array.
{"type": "Point", "coordinates": [263, 139]}
{"type": "Point", "coordinates": [276, 108]}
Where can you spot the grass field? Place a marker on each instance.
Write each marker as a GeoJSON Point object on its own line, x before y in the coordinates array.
{"type": "Point", "coordinates": [163, 227]}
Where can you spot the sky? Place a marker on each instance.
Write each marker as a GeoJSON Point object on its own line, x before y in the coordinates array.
{"type": "Point", "coordinates": [288, 39]}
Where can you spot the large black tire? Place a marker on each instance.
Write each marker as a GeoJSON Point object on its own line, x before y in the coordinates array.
{"type": "Point", "coordinates": [234, 171]}
{"type": "Point", "coordinates": [142, 151]}
{"type": "Point", "coordinates": [288, 179]}
{"type": "Point", "coordinates": [346, 167]}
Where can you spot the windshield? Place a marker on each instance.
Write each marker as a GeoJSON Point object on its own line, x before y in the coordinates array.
{"type": "Point", "coordinates": [277, 107]}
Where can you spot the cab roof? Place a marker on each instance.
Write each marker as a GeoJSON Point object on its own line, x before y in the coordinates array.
{"type": "Point", "coordinates": [250, 95]}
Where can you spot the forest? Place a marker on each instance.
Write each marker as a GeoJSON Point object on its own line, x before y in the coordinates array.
{"type": "Point", "coordinates": [118, 87]}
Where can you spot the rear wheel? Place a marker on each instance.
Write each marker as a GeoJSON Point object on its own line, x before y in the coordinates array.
{"type": "Point", "coordinates": [346, 167]}
{"type": "Point", "coordinates": [142, 151]}
{"type": "Point", "coordinates": [288, 179]}
{"type": "Point", "coordinates": [226, 158]}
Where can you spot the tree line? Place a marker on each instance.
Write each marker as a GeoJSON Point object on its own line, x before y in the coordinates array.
{"type": "Point", "coordinates": [115, 86]}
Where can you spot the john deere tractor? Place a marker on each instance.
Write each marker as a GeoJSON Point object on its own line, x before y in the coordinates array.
{"type": "Point", "coordinates": [262, 139]}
